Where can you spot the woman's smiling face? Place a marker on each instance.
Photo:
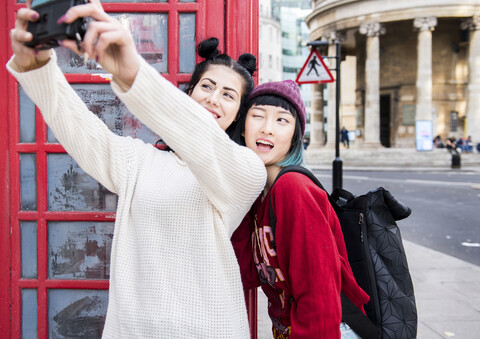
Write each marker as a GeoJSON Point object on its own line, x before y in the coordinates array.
{"type": "Point", "coordinates": [220, 92]}
{"type": "Point", "coordinates": [268, 132]}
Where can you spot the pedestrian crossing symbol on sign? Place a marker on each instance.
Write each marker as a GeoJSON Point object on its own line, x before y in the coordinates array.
{"type": "Point", "coordinates": [314, 70]}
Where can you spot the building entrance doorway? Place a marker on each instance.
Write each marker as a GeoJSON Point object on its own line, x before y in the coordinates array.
{"type": "Point", "coordinates": [385, 113]}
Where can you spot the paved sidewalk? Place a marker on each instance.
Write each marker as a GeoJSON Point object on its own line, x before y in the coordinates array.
{"type": "Point", "coordinates": [447, 291]}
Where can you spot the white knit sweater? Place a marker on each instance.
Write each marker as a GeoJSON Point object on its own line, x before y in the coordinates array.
{"type": "Point", "coordinates": [173, 271]}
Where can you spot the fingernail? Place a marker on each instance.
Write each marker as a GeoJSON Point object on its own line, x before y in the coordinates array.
{"type": "Point", "coordinates": [35, 16]}
{"type": "Point", "coordinates": [35, 52]}
{"type": "Point", "coordinates": [27, 35]}
{"type": "Point", "coordinates": [62, 19]}
{"type": "Point", "coordinates": [96, 58]}
{"type": "Point", "coordinates": [60, 42]}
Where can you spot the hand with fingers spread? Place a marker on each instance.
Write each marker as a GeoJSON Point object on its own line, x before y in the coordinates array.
{"type": "Point", "coordinates": [26, 58]}
{"type": "Point", "coordinates": [106, 41]}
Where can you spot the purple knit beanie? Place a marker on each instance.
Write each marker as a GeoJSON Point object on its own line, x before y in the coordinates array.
{"type": "Point", "coordinates": [286, 89]}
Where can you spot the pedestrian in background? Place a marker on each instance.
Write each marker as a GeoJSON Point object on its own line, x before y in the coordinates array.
{"type": "Point", "coordinates": [303, 266]}
{"type": "Point", "coordinates": [173, 271]}
{"type": "Point", "coordinates": [344, 139]}
{"type": "Point", "coordinates": [306, 142]}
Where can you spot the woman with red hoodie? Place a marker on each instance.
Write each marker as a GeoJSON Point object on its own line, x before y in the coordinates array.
{"type": "Point", "coordinates": [303, 267]}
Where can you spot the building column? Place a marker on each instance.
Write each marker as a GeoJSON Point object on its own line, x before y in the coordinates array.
{"type": "Point", "coordinates": [424, 106]}
{"type": "Point", "coordinates": [372, 84]}
{"type": "Point", "coordinates": [317, 136]}
{"type": "Point", "coordinates": [332, 91]}
{"type": "Point", "coordinates": [473, 94]}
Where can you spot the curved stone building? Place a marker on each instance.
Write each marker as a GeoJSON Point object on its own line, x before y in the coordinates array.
{"type": "Point", "coordinates": [408, 65]}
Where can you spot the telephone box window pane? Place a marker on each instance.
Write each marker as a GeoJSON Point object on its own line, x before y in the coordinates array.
{"type": "Point", "coordinates": [28, 182]}
{"type": "Point", "coordinates": [50, 136]}
{"type": "Point", "coordinates": [187, 42]}
{"type": "Point", "coordinates": [27, 117]}
{"type": "Point", "coordinates": [29, 313]}
{"type": "Point", "coordinates": [101, 100]}
{"type": "Point", "coordinates": [183, 86]}
{"type": "Point", "coordinates": [71, 189]}
{"type": "Point", "coordinates": [71, 62]}
{"type": "Point", "coordinates": [150, 34]}
{"type": "Point", "coordinates": [79, 250]}
{"type": "Point", "coordinates": [76, 313]}
{"type": "Point", "coordinates": [28, 230]}
{"type": "Point", "coordinates": [135, 1]}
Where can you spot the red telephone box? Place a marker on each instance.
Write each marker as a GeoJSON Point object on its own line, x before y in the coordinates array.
{"type": "Point", "coordinates": [56, 222]}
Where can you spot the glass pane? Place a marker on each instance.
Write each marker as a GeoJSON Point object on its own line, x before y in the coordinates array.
{"type": "Point", "coordinates": [188, 0]}
{"type": "Point", "coordinates": [101, 100]}
{"type": "Point", "coordinates": [76, 313]}
{"type": "Point", "coordinates": [134, 1]}
{"type": "Point", "coordinates": [29, 313]}
{"type": "Point", "coordinates": [187, 42]}
{"type": "Point", "coordinates": [150, 33]}
{"type": "Point", "coordinates": [27, 117]}
{"type": "Point", "coordinates": [73, 63]}
{"type": "Point", "coordinates": [79, 250]}
{"type": "Point", "coordinates": [28, 230]}
{"type": "Point", "coordinates": [28, 182]}
{"type": "Point", "coordinates": [183, 86]}
{"type": "Point", "coordinates": [71, 189]}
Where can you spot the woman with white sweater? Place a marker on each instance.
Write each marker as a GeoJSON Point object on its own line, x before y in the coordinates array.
{"type": "Point", "coordinates": [173, 271]}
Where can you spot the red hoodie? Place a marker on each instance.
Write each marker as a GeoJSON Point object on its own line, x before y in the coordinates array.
{"type": "Point", "coordinates": [303, 278]}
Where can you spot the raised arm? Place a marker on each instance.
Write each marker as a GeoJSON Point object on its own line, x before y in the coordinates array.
{"type": "Point", "coordinates": [107, 157]}
{"type": "Point", "coordinates": [232, 176]}
{"type": "Point", "coordinates": [85, 137]}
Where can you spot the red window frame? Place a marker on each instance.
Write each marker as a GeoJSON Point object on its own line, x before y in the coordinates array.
{"type": "Point", "coordinates": [234, 22]}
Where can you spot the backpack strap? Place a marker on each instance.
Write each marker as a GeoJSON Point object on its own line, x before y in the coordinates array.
{"type": "Point", "coordinates": [297, 169]}
{"type": "Point", "coordinates": [358, 322]}
{"type": "Point", "coordinates": [351, 314]}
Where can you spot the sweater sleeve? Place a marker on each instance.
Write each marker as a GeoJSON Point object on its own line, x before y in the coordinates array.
{"type": "Point", "coordinates": [306, 249]}
{"type": "Point", "coordinates": [242, 244]}
{"type": "Point", "coordinates": [102, 154]}
{"type": "Point", "coordinates": [232, 176]}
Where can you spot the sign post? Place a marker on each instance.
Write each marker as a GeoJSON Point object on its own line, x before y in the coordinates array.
{"type": "Point", "coordinates": [337, 162]}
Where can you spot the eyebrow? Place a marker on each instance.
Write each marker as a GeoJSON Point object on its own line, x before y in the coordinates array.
{"type": "Point", "coordinates": [215, 83]}
{"type": "Point", "coordinates": [282, 110]}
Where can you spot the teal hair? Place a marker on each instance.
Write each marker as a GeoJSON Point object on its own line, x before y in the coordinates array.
{"type": "Point", "coordinates": [295, 153]}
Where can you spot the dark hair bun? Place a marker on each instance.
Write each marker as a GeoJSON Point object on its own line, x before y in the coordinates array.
{"type": "Point", "coordinates": [207, 49]}
{"type": "Point", "coordinates": [248, 61]}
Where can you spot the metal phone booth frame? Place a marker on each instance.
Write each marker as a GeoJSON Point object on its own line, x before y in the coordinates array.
{"type": "Point", "coordinates": [30, 159]}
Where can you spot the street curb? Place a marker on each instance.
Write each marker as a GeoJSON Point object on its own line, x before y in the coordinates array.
{"type": "Point", "coordinates": [473, 169]}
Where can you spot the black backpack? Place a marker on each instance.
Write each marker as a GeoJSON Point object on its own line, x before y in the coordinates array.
{"type": "Point", "coordinates": [377, 257]}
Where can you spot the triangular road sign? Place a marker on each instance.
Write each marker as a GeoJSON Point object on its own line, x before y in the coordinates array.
{"type": "Point", "coordinates": [314, 70]}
